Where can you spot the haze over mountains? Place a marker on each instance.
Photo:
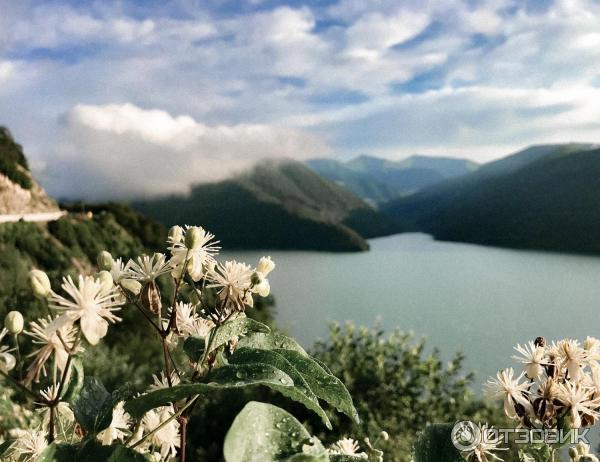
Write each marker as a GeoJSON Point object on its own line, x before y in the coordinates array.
{"type": "Point", "coordinates": [543, 197]}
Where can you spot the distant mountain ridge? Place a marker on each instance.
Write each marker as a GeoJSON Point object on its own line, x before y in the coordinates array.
{"type": "Point", "coordinates": [543, 197]}
{"type": "Point", "coordinates": [378, 180]}
{"type": "Point", "coordinates": [277, 205]}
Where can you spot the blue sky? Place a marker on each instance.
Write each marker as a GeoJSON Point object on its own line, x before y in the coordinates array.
{"type": "Point", "coordinates": [189, 91]}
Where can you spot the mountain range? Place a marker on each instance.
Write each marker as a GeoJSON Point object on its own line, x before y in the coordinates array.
{"type": "Point", "coordinates": [543, 197]}
{"type": "Point", "coordinates": [378, 181]}
{"type": "Point", "coordinates": [276, 205]}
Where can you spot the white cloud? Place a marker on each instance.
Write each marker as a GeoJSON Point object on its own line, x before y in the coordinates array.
{"type": "Point", "coordinates": [123, 151]}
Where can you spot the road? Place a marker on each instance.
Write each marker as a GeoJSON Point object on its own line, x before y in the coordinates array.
{"type": "Point", "coordinates": [46, 216]}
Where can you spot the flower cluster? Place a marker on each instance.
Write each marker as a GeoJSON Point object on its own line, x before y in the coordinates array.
{"type": "Point", "coordinates": [207, 293]}
{"type": "Point", "coordinates": [558, 388]}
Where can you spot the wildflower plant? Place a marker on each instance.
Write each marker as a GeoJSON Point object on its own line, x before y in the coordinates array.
{"type": "Point", "coordinates": [196, 306]}
{"type": "Point", "coordinates": [556, 395]}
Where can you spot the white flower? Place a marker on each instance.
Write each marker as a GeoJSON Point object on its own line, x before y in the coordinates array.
{"type": "Point", "coordinates": [198, 257]}
{"type": "Point", "coordinates": [489, 441]}
{"type": "Point", "coordinates": [62, 408]}
{"type": "Point", "coordinates": [45, 332]}
{"type": "Point", "coordinates": [29, 445]}
{"type": "Point", "coordinates": [7, 360]}
{"type": "Point", "coordinates": [510, 390]}
{"type": "Point", "coordinates": [202, 327]}
{"type": "Point", "coordinates": [533, 358]}
{"type": "Point", "coordinates": [118, 270]}
{"type": "Point", "coordinates": [233, 279]}
{"type": "Point", "coordinates": [592, 346]}
{"type": "Point", "coordinates": [570, 356]}
{"type": "Point", "coordinates": [263, 288]}
{"type": "Point", "coordinates": [577, 398]}
{"type": "Point", "coordinates": [89, 304]}
{"type": "Point", "coordinates": [147, 269]}
{"type": "Point", "coordinates": [119, 426]}
{"type": "Point", "coordinates": [160, 381]}
{"type": "Point", "coordinates": [185, 318]}
{"type": "Point", "coordinates": [347, 447]}
{"type": "Point", "coordinates": [265, 266]}
{"type": "Point", "coordinates": [167, 438]}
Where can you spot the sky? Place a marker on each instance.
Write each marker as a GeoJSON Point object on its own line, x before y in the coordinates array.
{"type": "Point", "coordinates": [123, 99]}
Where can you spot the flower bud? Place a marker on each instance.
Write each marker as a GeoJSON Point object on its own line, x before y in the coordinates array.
{"type": "Point", "coordinates": [131, 285]}
{"type": "Point", "coordinates": [573, 453]}
{"type": "Point", "coordinates": [106, 280]}
{"type": "Point", "coordinates": [385, 436]}
{"type": "Point", "coordinates": [176, 234]}
{"type": "Point", "coordinates": [150, 297]}
{"type": "Point", "coordinates": [193, 237]}
{"type": "Point", "coordinates": [264, 288]}
{"type": "Point", "coordinates": [265, 266]}
{"type": "Point", "coordinates": [40, 284]}
{"type": "Point", "coordinates": [256, 278]}
{"type": "Point", "coordinates": [7, 362]}
{"type": "Point", "coordinates": [104, 261]}
{"type": "Point", "coordinates": [14, 322]}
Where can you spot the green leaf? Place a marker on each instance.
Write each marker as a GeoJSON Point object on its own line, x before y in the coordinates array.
{"type": "Point", "coordinates": [235, 328]}
{"type": "Point", "coordinates": [58, 453]}
{"type": "Point", "coordinates": [434, 444]}
{"type": "Point", "coordinates": [232, 376]}
{"type": "Point", "coordinates": [300, 392]}
{"type": "Point", "coordinates": [323, 384]}
{"type": "Point", "coordinates": [94, 405]}
{"type": "Point", "coordinates": [90, 451]}
{"type": "Point", "coordinates": [275, 435]}
{"type": "Point", "coordinates": [270, 341]}
{"type": "Point", "coordinates": [75, 381]}
{"type": "Point", "coordinates": [194, 347]}
{"type": "Point", "coordinates": [4, 446]}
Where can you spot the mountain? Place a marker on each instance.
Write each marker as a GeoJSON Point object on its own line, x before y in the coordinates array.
{"type": "Point", "coordinates": [544, 197]}
{"type": "Point", "coordinates": [379, 180]}
{"type": "Point", "coordinates": [277, 205]}
{"type": "Point", "coordinates": [19, 192]}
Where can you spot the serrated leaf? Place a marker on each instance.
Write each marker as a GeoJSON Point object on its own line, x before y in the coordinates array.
{"type": "Point", "coordinates": [90, 451]}
{"type": "Point", "coordinates": [323, 384]}
{"type": "Point", "coordinates": [270, 341]}
{"type": "Point", "coordinates": [194, 347]}
{"type": "Point", "coordinates": [300, 392]}
{"type": "Point", "coordinates": [58, 453]}
{"type": "Point", "coordinates": [231, 376]}
{"type": "Point", "coordinates": [75, 381]}
{"type": "Point", "coordinates": [434, 444]}
{"type": "Point", "coordinates": [276, 435]}
{"type": "Point", "coordinates": [230, 330]}
{"type": "Point", "coordinates": [94, 405]}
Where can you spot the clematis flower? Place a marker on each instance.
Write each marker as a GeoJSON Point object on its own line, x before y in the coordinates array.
{"type": "Point", "coordinates": [571, 356]}
{"type": "Point", "coordinates": [347, 447]}
{"type": "Point", "coordinates": [167, 438]}
{"type": "Point", "coordinates": [506, 387]}
{"type": "Point", "coordinates": [197, 247]}
{"type": "Point", "coordinates": [29, 445]}
{"type": "Point", "coordinates": [233, 280]}
{"type": "Point", "coordinates": [533, 358]}
{"type": "Point", "coordinates": [119, 426]}
{"type": "Point", "coordinates": [89, 303]}
{"type": "Point", "coordinates": [579, 402]}
{"type": "Point", "coordinates": [146, 269]}
{"type": "Point", "coordinates": [45, 332]}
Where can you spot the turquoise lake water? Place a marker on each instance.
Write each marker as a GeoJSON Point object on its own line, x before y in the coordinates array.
{"type": "Point", "coordinates": [479, 300]}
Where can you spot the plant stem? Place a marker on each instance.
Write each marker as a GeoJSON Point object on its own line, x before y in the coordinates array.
{"type": "Point", "coordinates": [19, 385]}
{"type": "Point", "coordinates": [166, 359]}
{"type": "Point", "coordinates": [18, 350]}
{"type": "Point", "coordinates": [183, 421]}
{"type": "Point", "coordinates": [174, 416]}
{"type": "Point", "coordinates": [141, 309]}
{"type": "Point", "coordinates": [51, 425]}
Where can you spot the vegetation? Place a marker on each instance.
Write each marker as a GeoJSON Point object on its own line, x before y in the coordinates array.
{"type": "Point", "coordinates": [539, 198]}
{"type": "Point", "coordinates": [276, 206]}
{"type": "Point", "coordinates": [13, 163]}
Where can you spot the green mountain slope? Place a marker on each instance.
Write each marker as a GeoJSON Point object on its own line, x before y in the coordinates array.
{"type": "Point", "coordinates": [380, 180]}
{"type": "Point", "coordinates": [281, 205]}
{"type": "Point", "coordinates": [543, 197]}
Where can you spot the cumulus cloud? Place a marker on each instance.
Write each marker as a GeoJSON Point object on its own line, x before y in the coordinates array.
{"type": "Point", "coordinates": [475, 77]}
{"type": "Point", "coordinates": [123, 151]}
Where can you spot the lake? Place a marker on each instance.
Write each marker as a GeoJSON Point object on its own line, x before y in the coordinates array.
{"type": "Point", "coordinates": [479, 300]}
